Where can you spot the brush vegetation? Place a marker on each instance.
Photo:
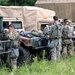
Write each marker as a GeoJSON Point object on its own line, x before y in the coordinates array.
{"type": "Point", "coordinates": [44, 67]}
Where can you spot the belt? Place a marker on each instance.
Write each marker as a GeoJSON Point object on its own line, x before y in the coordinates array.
{"type": "Point", "coordinates": [67, 38]}
{"type": "Point", "coordinates": [54, 38]}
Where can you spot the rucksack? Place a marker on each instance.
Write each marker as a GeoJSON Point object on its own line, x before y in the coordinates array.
{"type": "Point", "coordinates": [56, 30]}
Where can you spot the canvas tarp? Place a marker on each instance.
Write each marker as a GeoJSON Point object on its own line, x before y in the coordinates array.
{"type": "Point", "coordinates": [29, 15]}
{"type": "Point", "coordinates": [35, 14]}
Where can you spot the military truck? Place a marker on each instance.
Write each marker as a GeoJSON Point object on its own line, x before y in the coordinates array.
{"type": "Point", "coordinates": [17, 22]}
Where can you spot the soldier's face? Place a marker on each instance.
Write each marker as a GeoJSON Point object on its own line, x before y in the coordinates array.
{"type": "Point", "coordinates": [11, 29]}
{"type": "Point", "coordinates": [66, 23]}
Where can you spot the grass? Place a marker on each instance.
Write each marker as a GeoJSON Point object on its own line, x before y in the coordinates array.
{"type": "Point", "coordinates": [44, 67]}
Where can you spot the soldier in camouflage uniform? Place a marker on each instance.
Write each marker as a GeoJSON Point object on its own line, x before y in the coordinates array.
{"type": "Point", "coordinates": [67, 39]}
{"type": "Point", "coordinates": [14, 37]}
{"type": "Point", "coordinates": [55, 34]}
{"type": "Point", "coordinates": [47, 50]}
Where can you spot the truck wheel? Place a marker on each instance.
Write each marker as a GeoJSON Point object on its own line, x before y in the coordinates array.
{"type": "Point", "coordinates": [24, 56]}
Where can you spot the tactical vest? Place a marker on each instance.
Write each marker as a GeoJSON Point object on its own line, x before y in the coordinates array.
{"type": "Point", "coordinates": [14, 37]}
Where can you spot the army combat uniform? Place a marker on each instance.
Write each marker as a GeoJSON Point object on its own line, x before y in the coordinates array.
{"type": "Point", "coordinates": [55, 34]}
{"type": "Point", "coordinates": [14, 37]}
{"type": "Point", "coordinates": [47, 49]}
{"type": "Point", "coordinates": [67, 40]}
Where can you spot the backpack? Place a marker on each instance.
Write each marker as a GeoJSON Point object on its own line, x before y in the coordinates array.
{"type": "Point", "coordinates": [56, 30]}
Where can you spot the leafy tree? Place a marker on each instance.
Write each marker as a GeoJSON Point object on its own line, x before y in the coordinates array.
{"type": "Point", "coordinates": [31, 2]}
{"type": "Point", "coordinates": [22, 2]}
{"type": "Point", "coordinates": [4, 2]}
{"type": "Point", "coordinates": [18, 2]}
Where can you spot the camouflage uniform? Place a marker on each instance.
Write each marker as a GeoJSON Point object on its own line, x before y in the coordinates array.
{"type": "Point", "coordinates": [47, 50]}
{"type": "Point", "coordinates": [55, 34]}
{"type": "Point", "coordinates": [14, 37]}
{"type": "Point", "coordinates": [67, 40]}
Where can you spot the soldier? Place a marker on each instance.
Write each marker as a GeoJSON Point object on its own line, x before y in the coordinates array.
{"type": "Point", "coordinates": [14, 37]}
{"type": "Point", "coordinates": [67, 39]}
{"type": "Point", "coordinates": [55, 34]}
{"type": "Point", "coordinates": [47, 50]}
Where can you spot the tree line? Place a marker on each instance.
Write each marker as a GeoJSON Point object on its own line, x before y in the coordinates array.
{"type": "Point", "coordinates": [17, 2]}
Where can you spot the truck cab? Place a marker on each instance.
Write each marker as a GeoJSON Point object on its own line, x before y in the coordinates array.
{"type": "Point", "coordinates": [18, 24]}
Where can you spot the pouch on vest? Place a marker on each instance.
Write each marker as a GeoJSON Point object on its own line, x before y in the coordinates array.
{"type": "Point", "coordinates": [52, 44]}
{"type": "Point", "coordinates": [15, 44]}
{"type": "Point", "coordinates": [14, 53]}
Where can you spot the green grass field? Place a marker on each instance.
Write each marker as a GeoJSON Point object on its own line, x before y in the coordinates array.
{"type": "Point", "coordinates": [44, 67]}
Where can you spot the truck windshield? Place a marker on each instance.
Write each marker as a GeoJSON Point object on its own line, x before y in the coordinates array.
{"type": "Point", "coordinates": [17, 24]}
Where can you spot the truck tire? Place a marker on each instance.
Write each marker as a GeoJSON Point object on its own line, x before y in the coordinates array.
{"type": "Point", "coordinates": [24, 56]}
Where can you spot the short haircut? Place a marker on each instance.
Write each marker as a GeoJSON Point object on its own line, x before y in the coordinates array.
{"type": "Point", "coordinates": [55, 17]}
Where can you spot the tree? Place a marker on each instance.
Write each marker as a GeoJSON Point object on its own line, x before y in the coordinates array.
{"type": "Point", "coordinates": [4, 2]}
{"type": "Point", "coordinates": [22, 2]}
{"type": "Point", "coordinates": [31, 2]}
{"type": "Point", "coordinates": [17, 2]}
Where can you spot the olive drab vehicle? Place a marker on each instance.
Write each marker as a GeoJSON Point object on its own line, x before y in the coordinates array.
{"type": "Point", "coordinates": [4, 51]}
{"type": "Point", "coordinates": [32, 45]}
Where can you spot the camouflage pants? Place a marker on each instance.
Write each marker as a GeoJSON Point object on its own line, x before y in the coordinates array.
{"type": "Point", "coordinates": [13, 63]}
{"type": "Point", "coordinates": [55, 50]}
{"type": "Point", "coordinates": [60, 44]}
{"type": "Point", "coordinates": [55, 54]}
{"type": "Point", "coordinates": [13, 58]}
{"type": "Point", "coordinates": [67, 48]}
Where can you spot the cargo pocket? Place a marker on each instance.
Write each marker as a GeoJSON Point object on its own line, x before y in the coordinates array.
{"type": "Point", "coordinates": [14, 53]}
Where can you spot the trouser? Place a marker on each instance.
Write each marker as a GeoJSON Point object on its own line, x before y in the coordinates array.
{"type": "Point", "coordinates": [55, 49]}
{"type": "Point", "coordinates": [67, 48]}
{"type": "Point", "coordinates": [13, 63]}
{"type": "Point", "coordinates": [60, 44]}
{"type": "Point", "coordinates": [55, 54]}
{"type": "Point", "coordinates": [13, 58]}
{"type": "Point", "coordinates": [59, 49]}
